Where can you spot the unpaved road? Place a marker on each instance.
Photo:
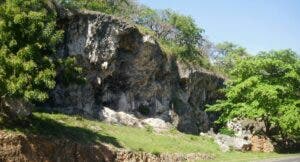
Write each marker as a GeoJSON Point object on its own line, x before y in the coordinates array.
{"type": "Point", "coordinates": [283, 159]}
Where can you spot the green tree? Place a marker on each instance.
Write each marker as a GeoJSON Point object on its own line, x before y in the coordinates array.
{"type": "Point", "coordinates": [227, 55]}
{"type": "Point", "coordinates": [188, 32]}
{"type": "Point", "coordinates": [265, 87]}
{"type": "Point", "coordinates": [28, 38]}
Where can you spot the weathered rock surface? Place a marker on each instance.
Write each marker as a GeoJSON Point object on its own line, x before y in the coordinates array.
{"type": "Point", "coordinates": [128, 72]}
{"type": "Point", "coordinates": [245, 138]}
{"type": "Point", "coordinates": [246, 127]}
{"type": "Point", "coordinates": [228, 143]}
{"type": "Point", "coordinates": [14, 109]}
{"type": "Point", "coordinates": [261, 144]}
{"type": "Point", "coordinates": [110, 116]}
{"type": "Point", "coordinates": [38, 148]}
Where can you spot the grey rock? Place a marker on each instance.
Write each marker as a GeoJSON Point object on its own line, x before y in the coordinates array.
{"type": "Point", "coordinates": [15, 109]}
{"type": "Point", "coordinates": [246, 127]}
{"type": "Point", "coordinates": [228, 143]}
{"type": "Point", "coordinates": [114, 117]}
{"type": "Point", "coordinates": [158, 125]}
{"type": "Point", "coordinates": [127, 71]}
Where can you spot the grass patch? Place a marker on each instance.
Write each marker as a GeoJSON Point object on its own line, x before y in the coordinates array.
{"type": "Point", "coordinates": [136, 139]}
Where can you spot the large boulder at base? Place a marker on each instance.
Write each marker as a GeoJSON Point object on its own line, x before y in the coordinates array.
{"type": "Point", "coordinates": [110, 116]}
{"type": "Point", "coordinates": [228, 143]}
{"type": "Point", "coordinates": [127, 71]}
{"type": "Point", "coordinates": [157, 124]}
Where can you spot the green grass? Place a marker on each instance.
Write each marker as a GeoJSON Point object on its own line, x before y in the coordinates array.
{"type": "Point", "coordinates": [136, 139]}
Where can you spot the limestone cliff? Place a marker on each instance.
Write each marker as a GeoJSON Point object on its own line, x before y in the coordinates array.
{"type": "Point", "coordinates": [127, 71]}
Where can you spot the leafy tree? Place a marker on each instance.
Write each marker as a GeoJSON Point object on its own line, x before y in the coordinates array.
{"type": "Point", "coordinates": [227, 55]}
{"type": "Point", "coordinates": [265, 87]}
{"type": "Point", "coordinates": [188, 32]}
{"type": "Point", "coordinates": [28, 37]}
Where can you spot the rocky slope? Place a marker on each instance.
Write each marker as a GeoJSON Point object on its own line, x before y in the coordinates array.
{"type": "Point", "coordinates": [127, 71]}
{"type": "Point", "coordinates": [20, 147]}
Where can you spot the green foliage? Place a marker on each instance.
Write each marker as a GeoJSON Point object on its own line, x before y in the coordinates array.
{"type": "Point", "coordinates": [189, 34]}
{"type": "Point", "coordinates": [267, 87]}
{"type": "Point", "coordinates": [28, 37]}
{"type": "Point", "coordinates": [105, 6]}
{"type": "Point", "coordinates": [226, 131]}
{"type": "Point", "coordinates": [227, 55]}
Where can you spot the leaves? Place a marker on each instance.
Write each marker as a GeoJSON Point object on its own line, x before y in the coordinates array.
{"type": "Point", "coordinates": [28, 37]}
{"type": "Point", "coordinates": [264, 87]}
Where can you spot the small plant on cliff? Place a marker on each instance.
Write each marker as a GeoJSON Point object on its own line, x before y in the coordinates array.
{"type": "Point", "coordinates": [265, 87]}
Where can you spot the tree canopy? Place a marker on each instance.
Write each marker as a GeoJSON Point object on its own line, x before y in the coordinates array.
{"type": "Point", "coordinates": [227, 55]}
{"type": "Point", "coordinates": [28, 37]}
{"type": "Point", "coordinates": [265, 87]}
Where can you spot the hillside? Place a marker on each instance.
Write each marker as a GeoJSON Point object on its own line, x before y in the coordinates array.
{"type": "Point", "coordinates": [57, 136]}
{"type": "Point", "coordinates": [114, 80]}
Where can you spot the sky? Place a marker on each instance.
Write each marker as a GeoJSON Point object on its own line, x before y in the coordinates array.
{"type": "Point", "coordinates": [257, 25]}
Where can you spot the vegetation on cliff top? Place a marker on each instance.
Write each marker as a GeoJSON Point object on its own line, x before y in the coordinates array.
{"type": "Point", "coordinates": [177, 34]}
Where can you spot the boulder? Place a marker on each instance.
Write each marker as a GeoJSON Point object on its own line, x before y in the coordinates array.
{"type": "Point", "coordinates": [228, 143]}
{"type": "Point", "coordinates": [157, 124]}
{"type": "Point", "coordinates": [110, 116]}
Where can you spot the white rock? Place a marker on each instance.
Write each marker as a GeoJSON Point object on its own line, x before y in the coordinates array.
{"type": "Point", "coordinates": [236, 143]}
{"type": "Point", "coordinates": [157, 124]}
{"type": "Point", "coordinates": [104, 65]}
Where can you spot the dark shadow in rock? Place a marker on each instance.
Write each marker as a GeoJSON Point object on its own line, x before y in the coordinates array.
{"type": "Point", "coordinates": [51, 128]}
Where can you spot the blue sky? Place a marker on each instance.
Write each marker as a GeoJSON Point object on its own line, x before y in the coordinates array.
{"type": "Point", "coordinates": [257, 25]}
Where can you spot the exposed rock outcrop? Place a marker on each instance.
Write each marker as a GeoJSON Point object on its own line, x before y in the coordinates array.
{"type": "Point", "coordinates": [246, 127]}
{"type": "Point", "coordinates": [245, 138]}
{"type": "Point", "coordinates": [128, 72]}
{"type": "Point", "coordinates": [110, 116]}
{"type": "Point", "coordinates": [228, 143]}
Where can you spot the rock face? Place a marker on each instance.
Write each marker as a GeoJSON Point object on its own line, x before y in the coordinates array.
{"type": "Point", "coordinates": [128, 72]}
